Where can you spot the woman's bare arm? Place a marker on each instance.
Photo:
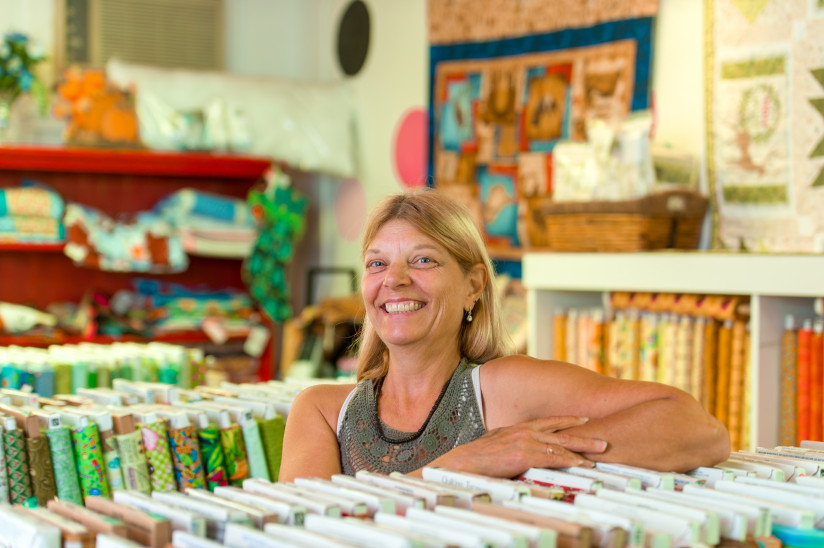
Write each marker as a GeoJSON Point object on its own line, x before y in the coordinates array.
{"type": "Point", "coordinates": [310, 443]}
{"type": "Point", "coordinates": [644, 424]}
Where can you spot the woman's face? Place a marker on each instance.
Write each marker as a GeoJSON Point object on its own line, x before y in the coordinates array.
{"type": "Point", "coordinates": [413, 289]}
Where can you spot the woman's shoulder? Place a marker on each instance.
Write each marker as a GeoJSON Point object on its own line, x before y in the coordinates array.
{"type": "Point", "coordinates": [512, 361]}
{"type": "Point", "coordinates": [329, 392]}
{"type": "Point", "coordinates": [327, 398]}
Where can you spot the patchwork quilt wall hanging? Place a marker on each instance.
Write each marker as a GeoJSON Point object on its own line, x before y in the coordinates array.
{"type": "Point", "coordinates": [511, 78]}
{"type": "Point", "coordinates": [765, 124]}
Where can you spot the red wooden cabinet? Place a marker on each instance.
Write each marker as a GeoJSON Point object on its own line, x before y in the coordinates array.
{"type": "Point", "coordinates": [116, 181]}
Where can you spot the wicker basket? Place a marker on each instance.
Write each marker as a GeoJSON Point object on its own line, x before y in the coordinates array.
{"type": "Point", "coordinates": [664, 220]}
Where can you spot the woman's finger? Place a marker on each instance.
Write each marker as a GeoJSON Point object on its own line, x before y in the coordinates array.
{"type": "Point", "coordinates": [554, 424]}
{"type": "Point", "coordinates": [556, 456]}
{"type": "Point", "coordinates": [577, 444]}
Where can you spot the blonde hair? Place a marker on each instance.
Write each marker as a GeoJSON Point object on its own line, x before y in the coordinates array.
{"type": "Point", "coordinates": [449, 223]}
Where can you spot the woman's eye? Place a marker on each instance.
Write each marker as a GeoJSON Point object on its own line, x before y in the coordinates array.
{"type": "Point", "coordinates": [374, 264]}
{"type": "Point", "coordinates": [426, 261]}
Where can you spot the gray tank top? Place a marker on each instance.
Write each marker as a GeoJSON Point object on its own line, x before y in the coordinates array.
{"type": "Point", "coordinates": [457, 420]}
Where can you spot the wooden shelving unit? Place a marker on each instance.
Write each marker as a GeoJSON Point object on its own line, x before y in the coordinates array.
{"type": "Point", "coordinates": [116, 182]}
{"type": "Point", "coordinates": [777, 285]}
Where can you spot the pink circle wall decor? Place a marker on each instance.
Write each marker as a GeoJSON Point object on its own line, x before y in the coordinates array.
{"type": "Point", "coordinates": [350, 209]}
{"type": "Point", "coordinates": [409, 150]}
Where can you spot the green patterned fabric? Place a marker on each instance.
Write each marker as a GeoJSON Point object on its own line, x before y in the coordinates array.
{"type": "Point", "coordinates": [90, 464]}
{"type": "Point", "coordinates": [114, 474]}
{"type": "Point", "coordinates": [17, 466]}
{"type": "Point", "coordinates": [234, 451]}
{"type": "Point", "coordinates": [271, 433]}
{"type": "Point", "coordinates": [65, 470]}
{"type": "Point", "coordinates": [41, 469]}
{"type": "Point", "coordinates": [213, 457]}
{"type": "Point", "coordinates": [158, 456]}
{"type": "Point", "coordinates": [133, 462]}
{"type": "Point", "coordinates": [4, 472]}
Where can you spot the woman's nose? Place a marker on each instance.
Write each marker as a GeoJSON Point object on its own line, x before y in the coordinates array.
{"type": "Point", "coordinates": [396, 274]}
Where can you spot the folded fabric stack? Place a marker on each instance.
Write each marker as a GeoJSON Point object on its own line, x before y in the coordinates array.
{"type": "Point", "coordinates": [174, 307]}
{"type": "Point", "coordinates": [210, 225]}
{"type": "Point", "coordinates": [144, 243]}
{"type": "Point", "coordinates": [31, 213]}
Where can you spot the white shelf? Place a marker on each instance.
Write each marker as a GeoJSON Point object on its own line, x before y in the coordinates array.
{"type": "Point", "coordinates": [777, 285]}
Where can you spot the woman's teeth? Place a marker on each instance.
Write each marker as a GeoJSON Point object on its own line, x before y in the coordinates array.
{"type": "Point", "coordinates": [397, 308]}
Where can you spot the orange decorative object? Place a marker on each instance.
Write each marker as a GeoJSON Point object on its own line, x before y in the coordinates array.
{"type": "Point", "coordinates": [99, 113]}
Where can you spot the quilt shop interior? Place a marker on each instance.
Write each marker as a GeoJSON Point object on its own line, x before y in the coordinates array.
{"type": "Point", "coordinates": [184, 187]}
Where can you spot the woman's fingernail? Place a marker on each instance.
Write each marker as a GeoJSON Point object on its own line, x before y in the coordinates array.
{"type": "Point", "coordinates": [586, 463]}
{"type": "Point", "coordinates": [586, 419]}
{"type": "Point", "coordinates": [602, 445]}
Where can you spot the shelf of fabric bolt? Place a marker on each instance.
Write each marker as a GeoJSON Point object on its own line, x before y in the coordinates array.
{"type": "Point", "coordinates": [117, 182]}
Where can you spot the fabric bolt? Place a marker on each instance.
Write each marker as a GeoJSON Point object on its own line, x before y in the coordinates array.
{"type": "Point", "coordinates": [697, 365]}
{"type": "Point", "coordinates": [710, 365]}
{"type": "Point", "coordinates": [17, 466]}
{"type": "Point", "coordinates": [789, 380]}
{"type": "Point", "coordinates": [4, 473]}
{"type": "Point", "coordinates": [158, 456]}
{"type": "Point", "coordinates": [104, 377]}
{"type": "Point", "coordinates": [683, 353]}
{"type": "Point", "coordinates": [65, 469]}
{"type": "Point", "coordinates": [802, 408]}
{"type": "Point", "coordinates": [41, 469]}
{"type": "Point", "coordinates": [88, 455]}
{"type": "Point", "coordinates": [133, 462]}
{"type": "Point", "coordinates": [26, 378]}
{"type": "Point", "coordinates": [10, 376]}
{"type": "Point", "coordinates": [213, 457]}
{"type": "Point", "coordinates": [91, 376]}
{"type": "Point", "coordinates": [44, 381]}
{"type": "Point", "coordinates": [722, 396]}
{"type": "Point", "coordinates": [747, 398]}
{"type": "Point", "coordinates": [31, 199]}
{"type": "Point", "coordinates": [271, 433]}
{"type": "Point", "coordinates": [80, 376]}
{"type": "Point", "coordinates": [648, 353]}
{"type": "Point", "coordinates": [63, 379]}
{"type": "Point", "coordinates": [168, 374]}
{"type": "Point", "coordinates": [258, 467]}
{"type": "Point", "coordinates": [187, 458]}
{"type": "Point", "coordinates": [736, 383]}
{"type": "Point", "coordinates": [30, 228]}
{"type": "Point", "coordinates": [114, 474]}
{"type": "Point", "coordinates": [234, 452]}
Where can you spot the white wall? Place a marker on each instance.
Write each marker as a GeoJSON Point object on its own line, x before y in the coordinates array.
{"type": "Point", "coordinates": [678, 75]}
{"type": "Point", "coordinates": [273, 38]}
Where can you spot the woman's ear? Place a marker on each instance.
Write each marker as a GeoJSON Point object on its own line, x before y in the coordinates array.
{"type": "Point", "coordinates": [478, 279]}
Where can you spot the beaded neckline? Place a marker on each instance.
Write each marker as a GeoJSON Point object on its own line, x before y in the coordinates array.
{"type": "Point", "coordinates": [414, 435]}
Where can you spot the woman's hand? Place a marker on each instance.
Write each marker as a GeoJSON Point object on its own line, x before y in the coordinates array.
{"type": "Point", "coordinates": [509, 451]}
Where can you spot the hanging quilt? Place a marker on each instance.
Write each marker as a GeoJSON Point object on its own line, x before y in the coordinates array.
{"type": "Point", "coordinates": [510, 79]}
{"type": "Point", "coordinates": [765, 124]}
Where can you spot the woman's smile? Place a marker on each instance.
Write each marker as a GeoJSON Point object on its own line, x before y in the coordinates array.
{"type": "Point", "coordinates": [402, 307]}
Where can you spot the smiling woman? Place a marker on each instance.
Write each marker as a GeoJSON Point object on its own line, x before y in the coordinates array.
{"type": "Point", "coordinates": [437, 384]}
